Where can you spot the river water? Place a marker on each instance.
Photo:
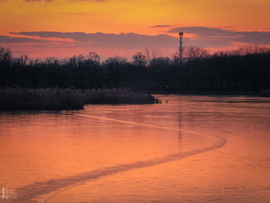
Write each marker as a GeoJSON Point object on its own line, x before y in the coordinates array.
{"type": "Point", "coordinates": [186, 149]}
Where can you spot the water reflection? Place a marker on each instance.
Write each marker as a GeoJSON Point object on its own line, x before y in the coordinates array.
{"type": "Point", "coordinates": [189, 149]}
{"type": "Point", "coordinates": [180, 132]}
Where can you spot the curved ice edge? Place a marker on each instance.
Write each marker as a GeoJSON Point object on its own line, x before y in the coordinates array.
{"type": "Point", "coordinates": [29, 192]}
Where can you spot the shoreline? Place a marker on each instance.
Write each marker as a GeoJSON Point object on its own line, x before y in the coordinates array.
{"type": "Point", "coordinates": [67, 99]}
{"type": "Point", "coordinates": [207, 93]}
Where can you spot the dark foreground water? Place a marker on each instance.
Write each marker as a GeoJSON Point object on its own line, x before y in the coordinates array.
{"type": "Point", "coordinates": [187, 149]}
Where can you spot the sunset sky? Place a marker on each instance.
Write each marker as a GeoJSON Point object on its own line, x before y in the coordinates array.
{"type": "Point", "coordinates": [63, 28]}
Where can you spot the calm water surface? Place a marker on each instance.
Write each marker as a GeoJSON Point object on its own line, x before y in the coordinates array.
{"type": "Point", "coordinates": [187, 149]}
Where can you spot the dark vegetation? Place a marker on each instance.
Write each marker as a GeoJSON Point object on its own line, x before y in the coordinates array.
{"type": "Point", "coordinates": [246, 69]}
{"type": "Point", "coordinates": [73, 82]}
{"type": "Point", "coordinates": [66, 99]}
{"type": "Point", "coordinates": [27, 83]}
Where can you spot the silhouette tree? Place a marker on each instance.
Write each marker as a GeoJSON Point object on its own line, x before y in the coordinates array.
{"type": "Point", "coordinates": [55, 72]}
{"type": "Point", "coordinates": [140, 62]}
{"type": "Point", "coordinates": [162, 66]}
{"type": "Point", "coordinates": [78, 68]}
{"type": "Point", "coordinates": [139, 59]}
{"type": "Point", "coordinates": [35, 72]}
{"type": "Point", "coordinates": [114, 67]}
{"type": "Point", "coordinates": [20, 67]}
{"type": "Point", "coordinates": [152, 55]}
{"type": "Point", "coordinates": [92, 64]}
{"type": "Point", "coordinates": [5, 60]}
{"type": "Point", "coordinates": [244, 69]}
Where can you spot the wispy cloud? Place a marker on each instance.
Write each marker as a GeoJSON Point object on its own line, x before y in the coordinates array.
{"type": "Point", "coordinates": [162, 26]}
{"type": "Point", "coordinates": [123, 40]}
{"type": "Point", "coordinates": [109, 44]}
{"type": "Point", "coordinates": [10, 40]}
{"type": "Point", "coordinates": [217, 37]}
{"type": "Point", "coordinates": [204, 37]}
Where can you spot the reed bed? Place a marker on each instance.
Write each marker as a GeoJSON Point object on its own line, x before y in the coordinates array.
{"type": "Point", "coordinates": [67, 99]}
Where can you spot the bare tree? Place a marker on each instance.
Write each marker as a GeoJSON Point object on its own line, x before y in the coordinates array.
{"type": "Point", "coordinates": [152, 55]}
{"type": "Point", "coordinates": [93, 56]}
{"type": "Point", "coordinates": [76, 64]}
{"type": "Point", "coordinates": [92, 68]}
{"type": "Point", "coordinates": [114, 66]}
{"type": "Point", "coordinates": [20, 64]}
{"type": "Point", "coordinates": [5, 60]}
{"type": "Point", "coordinates": [139, 59]}
{"type": "Point", "coordinates": [196, 53]}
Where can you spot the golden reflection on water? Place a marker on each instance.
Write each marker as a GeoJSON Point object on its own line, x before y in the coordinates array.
{"type": "Point", "coordinates": [130, 153]}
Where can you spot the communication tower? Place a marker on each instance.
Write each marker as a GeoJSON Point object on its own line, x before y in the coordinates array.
{"type": "Point", "coordinates": [180, 46]}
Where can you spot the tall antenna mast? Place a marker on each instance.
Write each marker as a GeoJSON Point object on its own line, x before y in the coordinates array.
{"type": "Point", "coordinates": [181, 46]}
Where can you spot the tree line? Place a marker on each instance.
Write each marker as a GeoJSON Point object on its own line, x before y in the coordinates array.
{"type": "Point", "coordinates": [245, 69]}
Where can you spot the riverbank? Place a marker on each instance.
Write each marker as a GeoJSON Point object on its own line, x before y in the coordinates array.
{"type": "Point", "coordinates": [225, 93]}
{"type": "Point", "coordinates": [67, 99]}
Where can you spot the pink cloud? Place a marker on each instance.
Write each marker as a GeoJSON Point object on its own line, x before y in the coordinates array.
{"type": "Point", "coordinates": [62, 44]}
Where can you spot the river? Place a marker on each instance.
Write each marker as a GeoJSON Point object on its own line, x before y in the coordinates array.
{"type": "Point", "coordinates": [186, 149]}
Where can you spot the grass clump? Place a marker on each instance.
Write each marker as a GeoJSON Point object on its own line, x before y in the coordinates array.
{"type": "Point", "coordinates": [67, 99]}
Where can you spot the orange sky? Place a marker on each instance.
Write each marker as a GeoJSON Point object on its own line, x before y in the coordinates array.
{"type": "Point", "coordinates": [126, 16]}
